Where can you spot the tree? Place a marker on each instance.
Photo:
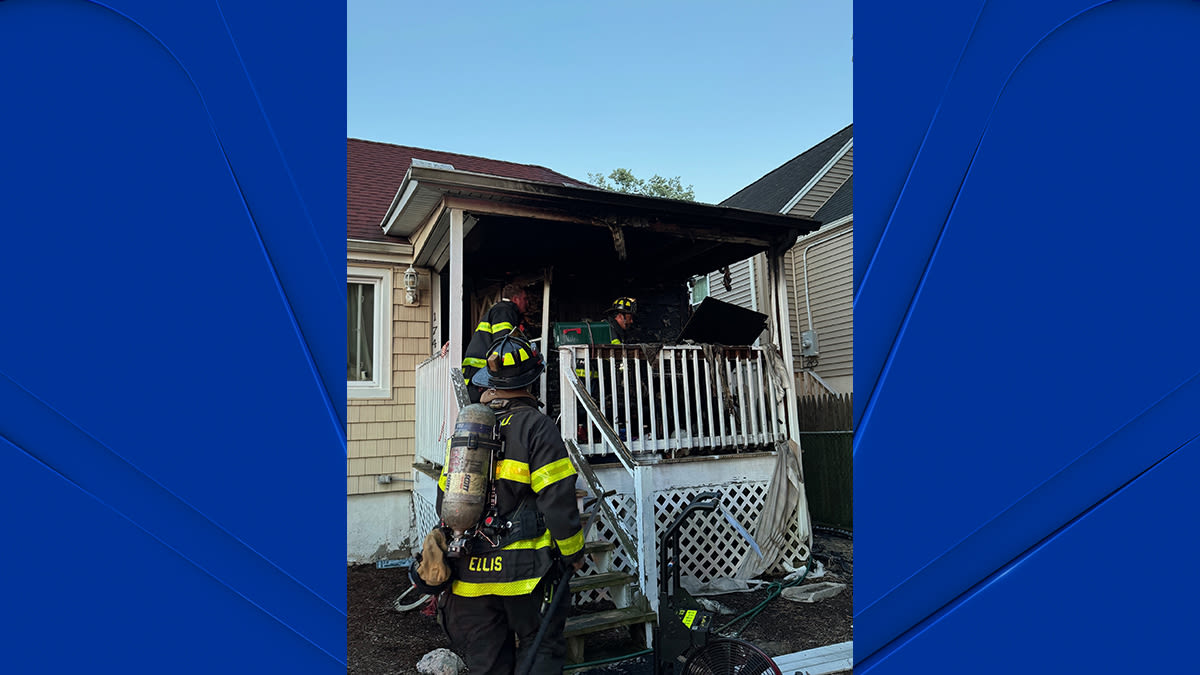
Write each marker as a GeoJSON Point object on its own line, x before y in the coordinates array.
{"type": "Point", "coordinates": [623, 180]}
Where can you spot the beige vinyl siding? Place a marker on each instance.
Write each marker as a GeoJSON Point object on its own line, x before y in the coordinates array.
{"type": "Point", "coordinates": [830, 291]}
{"type": "Point", "coordinates": [828, 184]}
{"type": "Point", "coordinates": [741, 286]}
{"type": "Point", "coordinates": [380, 433]}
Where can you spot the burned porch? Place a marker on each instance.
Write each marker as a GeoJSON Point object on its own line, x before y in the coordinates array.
{"type": "Point", "coordinates": [653, 423]}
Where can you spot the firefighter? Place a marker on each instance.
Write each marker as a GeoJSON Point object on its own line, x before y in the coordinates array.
{"type": "Point", "coordinates": [620, 319]}
{"type": "Point", "coordinates": [501, 319]}
{"type": "Point", "coordinates": [497, 590]}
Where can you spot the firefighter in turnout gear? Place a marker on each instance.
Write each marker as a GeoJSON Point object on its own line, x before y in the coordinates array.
{"type": "Point", "coordinates": [620, 320]}
{"type": "Point", "coordinates": [502, 318]}
{"type": "Point", "coordinates": [530, 535]}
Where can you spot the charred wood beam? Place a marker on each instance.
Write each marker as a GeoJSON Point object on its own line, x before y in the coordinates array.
{"type": "Point", "coordinates": [691, 232]}
{"type": "Point", "coordinates": [618, 235]}
{"type": "Point", "coordinates": [589, 215]}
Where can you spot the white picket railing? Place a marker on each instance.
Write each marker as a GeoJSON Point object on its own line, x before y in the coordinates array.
{"type": "Point", "coordinates": [678, 400]}
{"type": "Point", "coordinates": [437, 408]}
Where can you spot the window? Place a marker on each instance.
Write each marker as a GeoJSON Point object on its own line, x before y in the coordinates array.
{"type": "Point", "coordinates": [368, 332]}
{"type": "Point", "coordinates": [699, 289]}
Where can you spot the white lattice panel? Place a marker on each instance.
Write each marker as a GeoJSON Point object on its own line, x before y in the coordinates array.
{"type": "Point", "coordinates": [709, 546]}
{"type": "Point", "coordinates": [426, 514]}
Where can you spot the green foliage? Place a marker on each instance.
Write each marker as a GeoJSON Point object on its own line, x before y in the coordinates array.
{"type": "Point", "coordinates": [623, 180]}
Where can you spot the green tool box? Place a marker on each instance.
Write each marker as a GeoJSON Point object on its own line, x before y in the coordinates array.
{"type": "Point", "coordinates": [582, 333]}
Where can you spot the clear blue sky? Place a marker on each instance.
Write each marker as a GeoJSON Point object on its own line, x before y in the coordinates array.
{"type": "Point", "coordinates": [717, 93]}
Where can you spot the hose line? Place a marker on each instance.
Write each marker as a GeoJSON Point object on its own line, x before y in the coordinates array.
{"type": "Point", "coordinates": [774, 589]}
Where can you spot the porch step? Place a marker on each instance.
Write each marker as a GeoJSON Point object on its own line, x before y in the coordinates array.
{"type": "Point", "coordinates": [584, 518]}
{"type": "Point", "coordinates": [603, 580]}
{"type": "Point", "coordinates": [612, 618]}
{"type": "Point", "coordinates": [598, 546]}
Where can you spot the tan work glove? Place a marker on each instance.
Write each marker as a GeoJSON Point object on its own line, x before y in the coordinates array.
{"type": "Point", "coordinates": [433, 569]}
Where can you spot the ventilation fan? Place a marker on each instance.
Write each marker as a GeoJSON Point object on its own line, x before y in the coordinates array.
{"type": "Point", "coordinates": [682, 641]}
{"type": "Point", "coordinates": [727, 656]}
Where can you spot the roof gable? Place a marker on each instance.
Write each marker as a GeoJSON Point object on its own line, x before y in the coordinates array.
{"type": "Point", "coordinates": [838, 206]}
{"type": "Point", "coordinates": [375, 170]}
{"type": "Point", "coordinates": [777, 189]}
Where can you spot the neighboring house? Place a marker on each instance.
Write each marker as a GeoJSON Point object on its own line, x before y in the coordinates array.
{"type": "Point", "coordinates": [818, 184]}
{"type": "Point", "coordinates": [387, 336]}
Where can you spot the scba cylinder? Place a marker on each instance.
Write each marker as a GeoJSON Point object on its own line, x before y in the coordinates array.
{"type": "Point", "coordinates": [467, 467]}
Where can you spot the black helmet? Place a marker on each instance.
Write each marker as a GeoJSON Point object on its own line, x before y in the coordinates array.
{"type": "Point", "coordinates": [512, 363]}
{"type": "Point", "coordinates": [623, 306]}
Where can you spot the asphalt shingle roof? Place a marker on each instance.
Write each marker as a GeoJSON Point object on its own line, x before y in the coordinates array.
{"type": "Point", "coordinates": [773, 191]}
{"type": "Point", "coordinates": [375, 170]}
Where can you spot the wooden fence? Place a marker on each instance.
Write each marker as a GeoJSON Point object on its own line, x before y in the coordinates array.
{"type": "Point", "coordinates": [828, 458]}
{"type": "Point", "coordinates": [826, 412]}
{"type": "Point", "coordinates": [828, 454]}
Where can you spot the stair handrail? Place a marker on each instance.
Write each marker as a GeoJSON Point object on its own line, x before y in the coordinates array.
{"type": "Point", "coordinates": [607, 433]}
{"type": "Point", "coordinates": [626, 539]}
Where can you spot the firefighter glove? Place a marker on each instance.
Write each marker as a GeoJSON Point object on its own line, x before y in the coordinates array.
{"type": "Point", "coordinates": [432, 567]}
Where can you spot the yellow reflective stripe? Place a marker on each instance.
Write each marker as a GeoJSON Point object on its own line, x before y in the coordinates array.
{"type": "Point", "coordinates": [511, 469]}
{"type": "Point", "coordinates": [497, 327]}
{"type": "Point", "coordinates": [473, 590]}
{"type": "Point", "coordinates": [615, 341]}
{"type": "Point", "coordinates": [523, 354]}
{"type": "Point", "coordinates": [552, 473]}
{"type": "Point", "coordinates": [571, 545]}
{"type": "Point", "coordinates": [484, 327]}
{"type": "Point", "coordinates": [535, 543]}
{"type": "Point", "coordinates": [474, 362]}
{"type": "Point", "coordinates": [445, 463]}
{"type": "Point", "coordinates": [509, 360]}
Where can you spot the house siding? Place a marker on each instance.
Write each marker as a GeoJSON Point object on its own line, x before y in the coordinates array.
{"type": "Point", "coordinates": [741, 281]}
{"type": "Point", "coordinates": [830, 291]}
{"type": "Point", "coordinates": [825, 187]}
{"type": "Point", "coordinates": [380, 433]}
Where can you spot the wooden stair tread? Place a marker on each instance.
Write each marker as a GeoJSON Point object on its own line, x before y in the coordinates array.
{"type": "Point", "coordinates": [602, 580]}
{"type": "Point", "coordinates": [598, 546]}
{"type": "Point", "coordinates": [595, 622]}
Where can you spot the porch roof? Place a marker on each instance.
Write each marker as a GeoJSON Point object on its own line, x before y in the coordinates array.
{"type": "Point", "coordinates": [519, 224]}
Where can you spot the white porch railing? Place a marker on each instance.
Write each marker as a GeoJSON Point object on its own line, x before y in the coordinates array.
{"type": "Point", "coordinates": [437, 408]}
{"type": "Point", "coordinates": [678, 401]}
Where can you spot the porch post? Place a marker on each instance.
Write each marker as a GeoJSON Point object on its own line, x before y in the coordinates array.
{"type": "Point", "coordinates": [779, 285]}
{"type": "Point", "coordinates": [567, 416]}
{"type": "Point", "coordinates": [778, 282]}
{"type": "Point", "coordinates": [546, 336]}
{"type": "Point", "coordinates": [456, 289]}
{"type": "Point", "coordinates": [648, 572]}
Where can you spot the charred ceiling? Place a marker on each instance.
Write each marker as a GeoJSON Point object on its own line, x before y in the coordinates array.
{"type": "Point", "coordinates": [610, 251]}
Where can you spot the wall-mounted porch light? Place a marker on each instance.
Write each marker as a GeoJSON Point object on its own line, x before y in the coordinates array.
{"type": "Point", "coordinates": [410, 286]}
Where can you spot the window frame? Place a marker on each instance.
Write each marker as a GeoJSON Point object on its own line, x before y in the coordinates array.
{"type": "Point", "coordinates": [692, 283]}
{"type": "Point", "coordinates": [381, 363]}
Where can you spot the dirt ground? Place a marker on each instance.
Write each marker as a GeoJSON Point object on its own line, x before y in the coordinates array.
{"type": "Point", "coordinates": [382, 641]}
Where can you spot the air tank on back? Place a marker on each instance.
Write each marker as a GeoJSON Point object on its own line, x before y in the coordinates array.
{"type": "Point", "coordinates": [468, 473]}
